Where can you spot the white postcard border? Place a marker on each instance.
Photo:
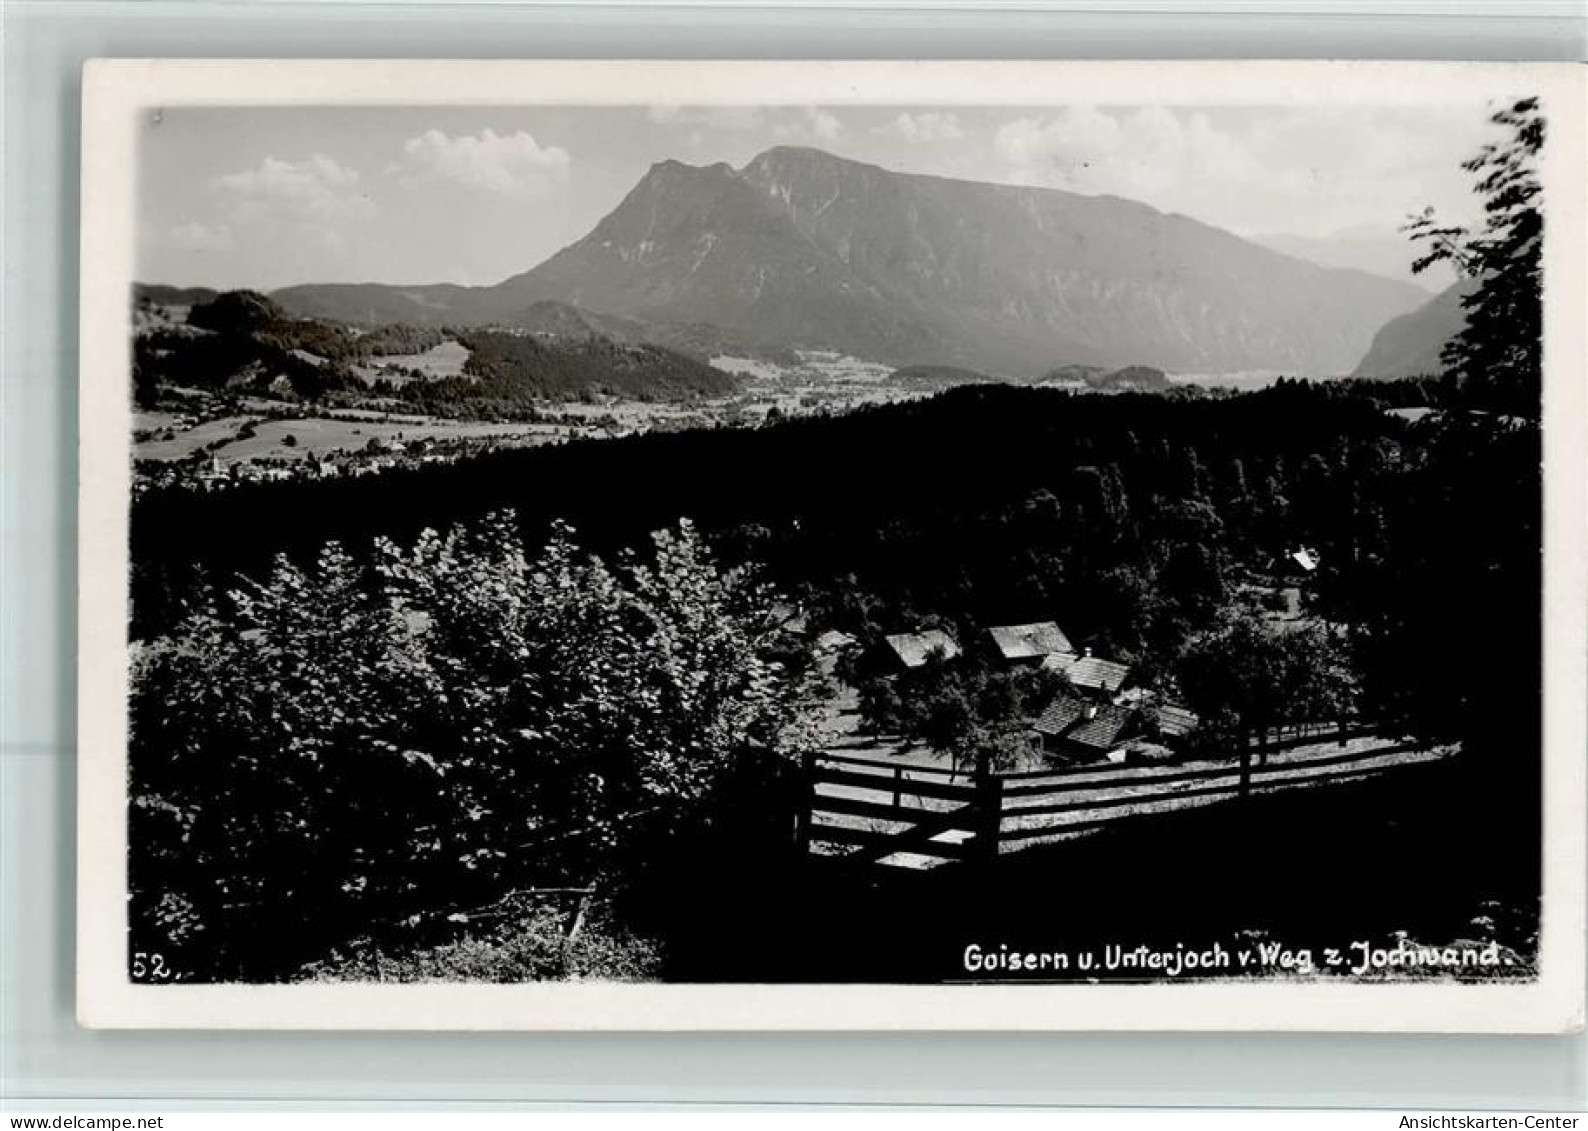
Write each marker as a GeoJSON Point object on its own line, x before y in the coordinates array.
{"type": "Point", "coordinates": [117, 92]}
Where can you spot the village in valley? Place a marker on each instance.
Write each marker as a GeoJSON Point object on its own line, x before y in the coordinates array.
{"type": "Point", "coordinates": [1113, 746]}
{"type": "Point", "coordinates": [1096, 713]}
{"type": "Point", "coordinates": [1095, 717]}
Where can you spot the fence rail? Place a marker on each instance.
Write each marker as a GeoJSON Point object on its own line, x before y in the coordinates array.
{"type": "Point", "coordinates": [1058, 781]}
{"type": "Point", "coordinates": [903, 814]}
{"type": "Point", "coordinates": [925, 814]}
{"type": "Point", "coordinates": [874, 763]}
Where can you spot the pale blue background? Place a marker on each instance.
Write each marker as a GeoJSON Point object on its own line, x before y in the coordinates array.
{"type": "Point", "coordinates": [46, 1062]}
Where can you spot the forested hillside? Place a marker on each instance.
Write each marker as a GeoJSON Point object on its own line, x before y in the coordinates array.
{"type": "Point", "coordinates": [523, 365]}
{"type": "Point", "coordinates": [1129, 516]}
{"type": "Point", "coordinates": [244, 342]}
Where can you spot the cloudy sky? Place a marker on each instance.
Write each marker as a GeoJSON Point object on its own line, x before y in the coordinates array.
{"type": "Point", "coordinates": [268, 197]}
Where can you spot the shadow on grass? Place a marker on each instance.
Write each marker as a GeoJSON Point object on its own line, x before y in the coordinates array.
{"type": "Point", "coordinates": [1424, 851]}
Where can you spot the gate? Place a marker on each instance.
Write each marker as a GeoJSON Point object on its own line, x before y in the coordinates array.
{"type": "Point", "coordinates": [865, 811]}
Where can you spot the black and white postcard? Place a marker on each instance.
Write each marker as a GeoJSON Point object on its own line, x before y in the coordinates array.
{"type": "Point", "coordinates": [639, 545]}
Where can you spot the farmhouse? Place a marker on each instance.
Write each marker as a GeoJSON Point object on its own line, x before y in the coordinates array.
{"type": "Point", "coordinates": [1170, 721]}
{"type": "Point", "coordinates": [1030, 643]}
{"type": "Point", "coordinates": [1299, 561]}
{"type": "Point", "coordinates": [834, 640]}
{"type": "Point", "coordinates": [911, 649]}
{"type": "Point", "coordinates": [828, 647]}
{"type": "Point", "coordinates": [1080, 731]}
{"type": "Point", "coordinates": [1064, 712]}
{"type": "Point", "coordinates": [1104, 733]}
{"type": "Point", "coordinates": [1175, 722]}
{"type": "Point", "coordinates": [788, 618]}
{"type": "Point", "coordinates": [1088, 674]}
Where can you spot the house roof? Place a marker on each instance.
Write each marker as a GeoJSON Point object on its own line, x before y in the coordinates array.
{"type": "Point", "coordinates": [1028, 641]}
{"type": "Point", "coordinates": [833, 640]}
{"type": "Point", "coordinates": [1413, 414]}
{"type": "Point", "coordinates": [1174, 720]}
{"type": "Point", "coordinates": [1305, 557]}
{"type": "Point", "coordinates": [1150, 752]}
{"type": "Point", "coordinates": [1296, 561]}
{"type": "Point", "coordinates": [1097, 726]}
{"type": "Point", "coordinates": [787, 617]}
{"type": "Point", "coordinates": [1061, 714]}
{"type": "Point", "coordinates": [1090, 672]}
{"type": "Point", "coordinates": [912, 648]}
{"type": "Point", "coordinates": [1104, 729]}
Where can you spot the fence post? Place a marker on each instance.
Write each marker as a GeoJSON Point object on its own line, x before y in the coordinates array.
{"type": "Point", "coordinates": [573, 931]}
{"type": "Point", "coordinates": [898, 785]}
{"type": "Point", "coordinates": [802, 818]}
{"type": "Point", "coordinates": [989, 815]}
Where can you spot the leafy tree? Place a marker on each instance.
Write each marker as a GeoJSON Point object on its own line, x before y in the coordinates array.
{"type": "Point", "coordinates": [1464, 527]}
{"type": "Point", "coordinates": [996, 744]}
{"type": "Point", "coordinates": [1193, 579]}
{"type": "Point", "coordinates": [1496, 355]}
{"type": "Point", "coordinates": [1463, 532]}
{"type": "Point", "coordinates": [1246, 679]}
{"type": "Point", "coordinates": [881, 709]}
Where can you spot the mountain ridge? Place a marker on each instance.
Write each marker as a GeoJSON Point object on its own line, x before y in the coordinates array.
{"type": "Point", "coordinates": [801, 248]}
{"type": "Point", "coordinates": [1411, 345]}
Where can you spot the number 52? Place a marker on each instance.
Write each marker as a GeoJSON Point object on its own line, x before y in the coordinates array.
{"type": "Point", "coordinates": [150, 965]}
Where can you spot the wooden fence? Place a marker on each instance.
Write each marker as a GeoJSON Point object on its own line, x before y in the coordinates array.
{"type": "Point", "coordinates": [1298, 734]}
{"type": "Point", "coordinates": [867, 810]}
{"type": "Point", "coordinates": [943, 815]}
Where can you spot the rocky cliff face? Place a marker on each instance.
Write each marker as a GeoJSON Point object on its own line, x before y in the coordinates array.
{"type": "Point", "coordinates": [803, 248]}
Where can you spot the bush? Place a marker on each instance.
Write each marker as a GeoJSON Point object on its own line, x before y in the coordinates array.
{"type": "Point", "coordinates": [534, 949]}
{"type": "Point", "coordinates": [357, 743]}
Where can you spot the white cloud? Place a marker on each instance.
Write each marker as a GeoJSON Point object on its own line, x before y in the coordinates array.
{"type": "Point", "coordinates": [197, 236]}
{"type": "Point", "coordinates": [507, 164]}
{"type": "Point", "coordinates": [1138, 153]}
{"type": "Point", "coordinates": [1309, 172]}
{"type": "Point", "coordinates": [703, 126]}
{"type": "Point", "coordinates": [316, 189]}
{"type": "Point", "coordinates": [826, 127]}
{"type": "Point", "coordinates": [707, 117]}
{"type": "Point", "coordinates": [925, 127]}
{"type": "Point", "coordinates": [811, 124]}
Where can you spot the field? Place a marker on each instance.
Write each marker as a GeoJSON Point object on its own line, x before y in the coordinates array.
{"type": "Point", "coordinates": [322, 436]}
{"type": "Point", "coordinates": [153, 421]}
{"type": "Point", "coordinates": [444, 360]}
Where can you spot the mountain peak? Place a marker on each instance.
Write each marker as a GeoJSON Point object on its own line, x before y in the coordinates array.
{"type": "Point", "coordinates": [807, 153]}
{"type": "Point", "coordinates": [784, 161]}
{"type": "Point", "coordinates": [805, 249]}
{"type": "Point", "coordinates": [671, 169]}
